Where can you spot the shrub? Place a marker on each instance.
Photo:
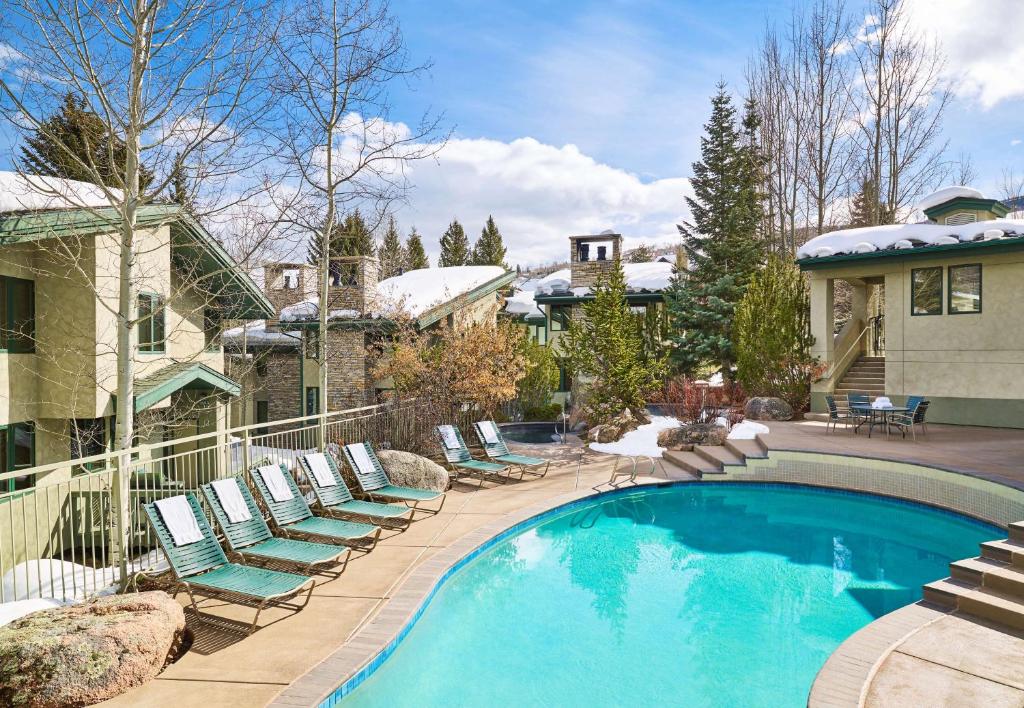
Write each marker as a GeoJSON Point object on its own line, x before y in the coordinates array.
{"type": "Point", "coordinates": [549, 411]}
{"type": "Point", "coordinates": [535, 389]}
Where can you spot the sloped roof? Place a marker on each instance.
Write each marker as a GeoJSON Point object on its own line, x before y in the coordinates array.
{"type": "Point", "coordinates": [178, 376]}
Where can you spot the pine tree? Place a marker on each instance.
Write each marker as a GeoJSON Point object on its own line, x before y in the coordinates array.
{"type": "Point", "coordinates": [179, 187]}
{"type": "Point", "coordinates": [861, 211]}
{"type": "Point", "coordinates": [454, 246]}
{"type": "Point", "coordinates": [390, 253]}
{"type": "Point", "coordinates": [489, 248]}
{"type": "Point", "coordinates": [71, 136]}
{"type": "Point", "coordinates": [350, 237]}
{"type": "Point", "coordinates": [722, 245]}
{"type": "Point", "coordinates": [641, 254]}
{"type": "Point", "coordinates": [414, 256]}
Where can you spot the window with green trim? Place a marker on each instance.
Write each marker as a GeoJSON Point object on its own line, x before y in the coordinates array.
{"type": "Point", "coordinates": [17, 452]}
{"type": "Point", "coordinates": [17, 315]}
{"type": "Point", "coordinates": [965, 289]}
{"type": "Point", "coordinates": [88, 438]}
{"type": "Point", "coordinates": [560, 317]}
{"type": "Point", "coordinates": [312, 400]}
{"type": "Point", "coordinates": [926, 291]}
{"type": "Point", "coordinates": [211, 329]}
{"type": "Point", "coordinates": [564, 379]}
{"type": "Point", "coordinates": [151, 323]}
{"type": "Point", "coordinates": [538, 333]}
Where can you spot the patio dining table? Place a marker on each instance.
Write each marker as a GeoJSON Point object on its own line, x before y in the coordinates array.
{"type": "Point", "coordinates": [876, 416]}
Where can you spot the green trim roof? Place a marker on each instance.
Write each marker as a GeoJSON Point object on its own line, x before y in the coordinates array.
{"type": "Point", "coordinates": [179, 376]}
{"type": "Point", "coordinates": [446, 308]}
{"type": "Point", "coordinates": [1001, 245]}
{"type": "Point", "coordinates": [238, 294]}
{"type": "Point", "coordinates": [630, 297]}
{"type": "Point", "coordinates": [957, 203]}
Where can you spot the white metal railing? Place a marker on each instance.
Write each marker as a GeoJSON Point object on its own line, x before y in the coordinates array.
{"type": "Point", "coordinates": [80, 529]}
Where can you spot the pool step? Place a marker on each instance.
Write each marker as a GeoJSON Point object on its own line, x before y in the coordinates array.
{"type": "Point", "coordinates": [990, 574]}
{"type": "Point", "coordinates": [691, 462]}
{"type": "Point", "coordinates": [981, 602]}
{"type": "Point", "coordinates": [1017, 531]}
{"type": "Point", "coordinates": [1008, 551]}
{"type": "Point", "coordinates": [718, 455]}
{"type": "Point", "coordinates": [747, 449]}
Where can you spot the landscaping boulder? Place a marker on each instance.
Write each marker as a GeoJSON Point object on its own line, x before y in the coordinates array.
{"type": "Point", "coordinates": [767, 408]}
{"type": "Point", "coordinates": [685, 437]}
{"type": "Point", "coordinates": [90, 652]}
{"type": "Point", "coordinates": [408, 470]}
{"type": "Point", "coordinates": [618, 426]}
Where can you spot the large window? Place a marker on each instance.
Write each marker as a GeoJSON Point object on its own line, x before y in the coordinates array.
{"type": "Point", "coordinates": [926, 291]}
{"type": "Point", "coordinates": [151, 323]}
{"type": "Point", "coordinates": [538, 333]}
{"type": "Point", "coordinates": [17, 452]}
{"type": "Point", "coordinates": [560, 316]}
{"type": "Point", "coordinates": [965, 289]}
{"type": "Point", "coordinates": [17, 315]}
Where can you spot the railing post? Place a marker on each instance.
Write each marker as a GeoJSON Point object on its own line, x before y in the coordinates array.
{"type": "Point", "coordinates": [321, 428]}
{"type": "Point", "coordinates": [246, 455]}
{"type": "Point", "coordinates": [120, 508]}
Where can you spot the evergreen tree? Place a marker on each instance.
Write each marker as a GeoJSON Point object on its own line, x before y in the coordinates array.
{"type": "Point", "coordinates": [489, 249]}
{"type": "Point", "coordinates": [390, 253]}
{"type": "Point", "coordinates": [179, 187]}
{"type": "Point", "coordinates": [641, 254]}
{"type": "Point", "coordinates": [861, 211]}
{"type": "Point", "coordinates": [454, 246]}
{"type": "Point", "coordinates": [414, 256]}
{"type": "Point", "coordinates": [74, 135]}
{"type": "Point", "coordinates": [349, 237]}
{"type": "Point", "coordinates": [721, 245]}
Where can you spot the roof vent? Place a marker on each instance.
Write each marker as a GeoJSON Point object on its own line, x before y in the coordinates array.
{"type": "Point", "coordinates": [963, 217]}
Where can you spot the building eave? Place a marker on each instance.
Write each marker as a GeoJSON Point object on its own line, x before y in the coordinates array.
{"type": "Point", "coordinates": [1002, 245]}
{"type": "Point", "coordinates": [652, 296]}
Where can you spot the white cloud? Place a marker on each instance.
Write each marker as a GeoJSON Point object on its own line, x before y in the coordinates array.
{"type": "Point", "coordinates": [539, 195]}
{"type": "Point", "coordinates": [984, 52]}
{"type": "Point", "coordinates": [1015, 142]}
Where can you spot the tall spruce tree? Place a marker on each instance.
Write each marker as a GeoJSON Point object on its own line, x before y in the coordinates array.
{"type": "Point", "coordinates": [390, 252]}
{"type": "Point", "coordinates": [74, 135]}
{"type": "Point", "coordinates": [721, 243]}
{"type": "Point", "coordinates": [489, 248]}
{"type": "Point", "coordinates": [180, 191]}
{"type": "Point", "coordinates": [454, 246]}
{"type": "Point", "coordinates": [641, 254]}
{"type": "Point", "coordinates": [349, 237]}
{"type": "Point", "coordinates": [414, 256]}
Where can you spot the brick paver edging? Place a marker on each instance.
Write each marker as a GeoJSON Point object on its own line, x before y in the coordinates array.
{"type": "Point", "coordinates": [361, 655]}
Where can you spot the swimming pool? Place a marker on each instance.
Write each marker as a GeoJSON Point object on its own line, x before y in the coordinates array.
{"type": "Point", "coordinates": [696, 595]}
{"type": "Point", "coordinates": [531, 433]}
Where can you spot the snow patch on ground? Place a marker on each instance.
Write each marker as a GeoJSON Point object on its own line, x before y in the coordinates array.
{"type": "Point", "coordinates": [642, 441]}
{"type": "Point", "coordinates": [747, 430]}
{"type": "Point", "coordinates": [10, 611]}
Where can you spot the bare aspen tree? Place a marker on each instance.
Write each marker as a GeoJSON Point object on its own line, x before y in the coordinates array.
{"type": "Point", "coordinates": [337, 61]}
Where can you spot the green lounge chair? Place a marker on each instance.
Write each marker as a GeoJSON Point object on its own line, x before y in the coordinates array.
{"type": "Point", "coordinates": [202, 568]}
{"type": "Point", "coordinates": [375, 483]}
{"type": "Point", "coordinates": [499, 451]}
{"type": "Point", "coordinates": [294, 518]}
{"type": "Point", "coordinates": [252, 540]}
{"type": "Point", "coordinates": [461, 461]}
{"type": "Point", "coordinates": [337, 499]}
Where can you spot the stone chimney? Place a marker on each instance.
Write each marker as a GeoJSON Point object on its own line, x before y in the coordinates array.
{"type": "Point", "coordinates": [353, 284]}
{"type": "Point", "coordinates": [288, 283]}
{"type": "Point", "coordinates": [590, 256]}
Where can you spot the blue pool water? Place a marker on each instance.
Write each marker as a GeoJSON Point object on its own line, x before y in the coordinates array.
{"type": "Point", "coordinates": [693, 595]}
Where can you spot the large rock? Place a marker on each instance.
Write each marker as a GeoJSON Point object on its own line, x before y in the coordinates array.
{"type": "Point", "coordinates": [767, 408]}
{"type": "Point", "coordinates": [408, 470]}
{"type": "Point", "coordinates": [686, 436]}
{"type": "Point", "coordinates": [87, 653]}
{"type": "Point", "coordinates": [618, 426]}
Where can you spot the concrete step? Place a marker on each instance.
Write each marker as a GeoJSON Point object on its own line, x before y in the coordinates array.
{"type": "Point", "coordinates": [673, 471]}
{"type": "Point", "coordinates": [1008, 551]}
{"type": "Point", "coordinates": [747, 449]}
{"type": "Point", "coordinates": [718, 455]}
{"type": "Point", "coordinates": [870, 389]}
{"type": "Point", "coordinates": [692, 463]}
{"type": "Point", "coordinates": [851, 381]}
{"type": "Point", "coordinates": [871, 358]}
{"type": "Point", "coordinates": [980, 602]}
{"type": "Point", "coordinates": [990, 574]}
{"type": "Point", "coordinates": [1017, 531]}
{"type": "Point", "coordinates": [859, 366]}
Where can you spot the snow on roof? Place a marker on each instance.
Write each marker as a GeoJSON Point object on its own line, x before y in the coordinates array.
{"type": "Point", "coordinates": [640, 277]}
{"type": "Point", "coordinates": [20, 192]}
{"type": "Point", "coordinates": [946, 193]}
{"type": "Point", "coordinates": [522, 303]}
{"type": "Point", "coordinates": [256, 333]}
{"type": "Point", "coordinates": [414, 292]}
{"type": "Point", "coordinates": [903, 236]}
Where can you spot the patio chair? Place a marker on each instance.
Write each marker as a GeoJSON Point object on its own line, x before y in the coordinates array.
{"type": "Point", "coordinates": [837, 415]}
{"type": "Point", "coordinates": [497, 449]}
{"type": "Point", "coordinates": [251, 540]}
{"type": "Point", "coordinates": [292, 516]}
{"type": "Point", "coordinates": [460, 459]}
{"type": "Point", "coordinates": [336, 499]}
{"type": "Point", "coordinates": [857, 399]}
{"type": "Point", "coordinates": [917, 407]}
{"type": "Point", "coordinates": [201, 567]}
{"type": "Point", "coordinates": [375, 483]}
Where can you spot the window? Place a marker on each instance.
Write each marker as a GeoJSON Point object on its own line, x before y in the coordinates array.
{"type": "Point", "coordinates": [211, 329]}
{"type": "Point", "coordinates": [312, 400]}
{"type": "Point", "coordinates": [17, 315]}
{"type": "Point", "coordinates": [538, 333]}
{"type": "Point", "coordinates": [151, 323]}
{"type": "Point", "coordinates": [965, 289]}
{"type": "Point", "coordinates": [17, 452]}
{"type": "Point", "coordinates": [343, 274]}
{"type": "Point", "coordinates": [88, 438]}
{"type": "Point", "coordinates": [262, 416]}
{"type": "Point", "coordinates": [564, 379]}
{"type": "Point", "coordinates": [926, 291]}
{"type": "Point", "coordinates": [560, 316]}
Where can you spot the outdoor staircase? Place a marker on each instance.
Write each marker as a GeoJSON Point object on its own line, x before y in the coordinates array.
{"type": "Point", "coordinates": [710, 460]}
{"type": "Point", "coordinates": [990, 586]}
{"type": "Point", "coordinates": [867, 375]}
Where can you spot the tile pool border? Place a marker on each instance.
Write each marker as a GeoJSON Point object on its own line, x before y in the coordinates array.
{"type": "Point", "coordinates": [347, 667]}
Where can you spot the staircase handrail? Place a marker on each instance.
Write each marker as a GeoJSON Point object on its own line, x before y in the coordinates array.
{"type": "Point", "coordinates": [837, 364]}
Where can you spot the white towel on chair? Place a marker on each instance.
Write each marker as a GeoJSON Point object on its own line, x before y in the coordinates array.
{"type": "Point", "coordinates": [179, 519]}
{"type": "Point", "coordinates": [230, 497]}
{"type": "Point", "coordinates": [881, 402]}
{"type": "Point", "coordinates": [276, 483]}
{"type": "Point", "coordinates": [321, 469]}
{"type": "Point", "coordinates": [451, 440]}
{"type": "Point", "coordinates": [364, 465]}
{"type": "Point", "coordinates": [490, 431]}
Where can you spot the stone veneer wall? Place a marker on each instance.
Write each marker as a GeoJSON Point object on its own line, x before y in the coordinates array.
{"type": "Point", "coordinates": [360, 296]}
{"type": "Point", "coordinates": [282, 385]}
{"type": "Point", "coordinates": [981, 498]}
{"type": "Point", "coordinates": [584, 274]}
{"type": "Point", "coordinates": [349, 383]}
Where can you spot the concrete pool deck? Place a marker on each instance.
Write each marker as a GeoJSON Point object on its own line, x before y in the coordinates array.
{"type": "Point", "coordinates": [277, 664]}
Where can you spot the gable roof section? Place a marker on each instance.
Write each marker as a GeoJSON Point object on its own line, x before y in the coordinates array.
{"type": "Point", "coordinates": [442, 310]}
{"type": "Point", "coordinates": [238, 294]}
{"type": "Point", "coordinates": [178, 376]}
